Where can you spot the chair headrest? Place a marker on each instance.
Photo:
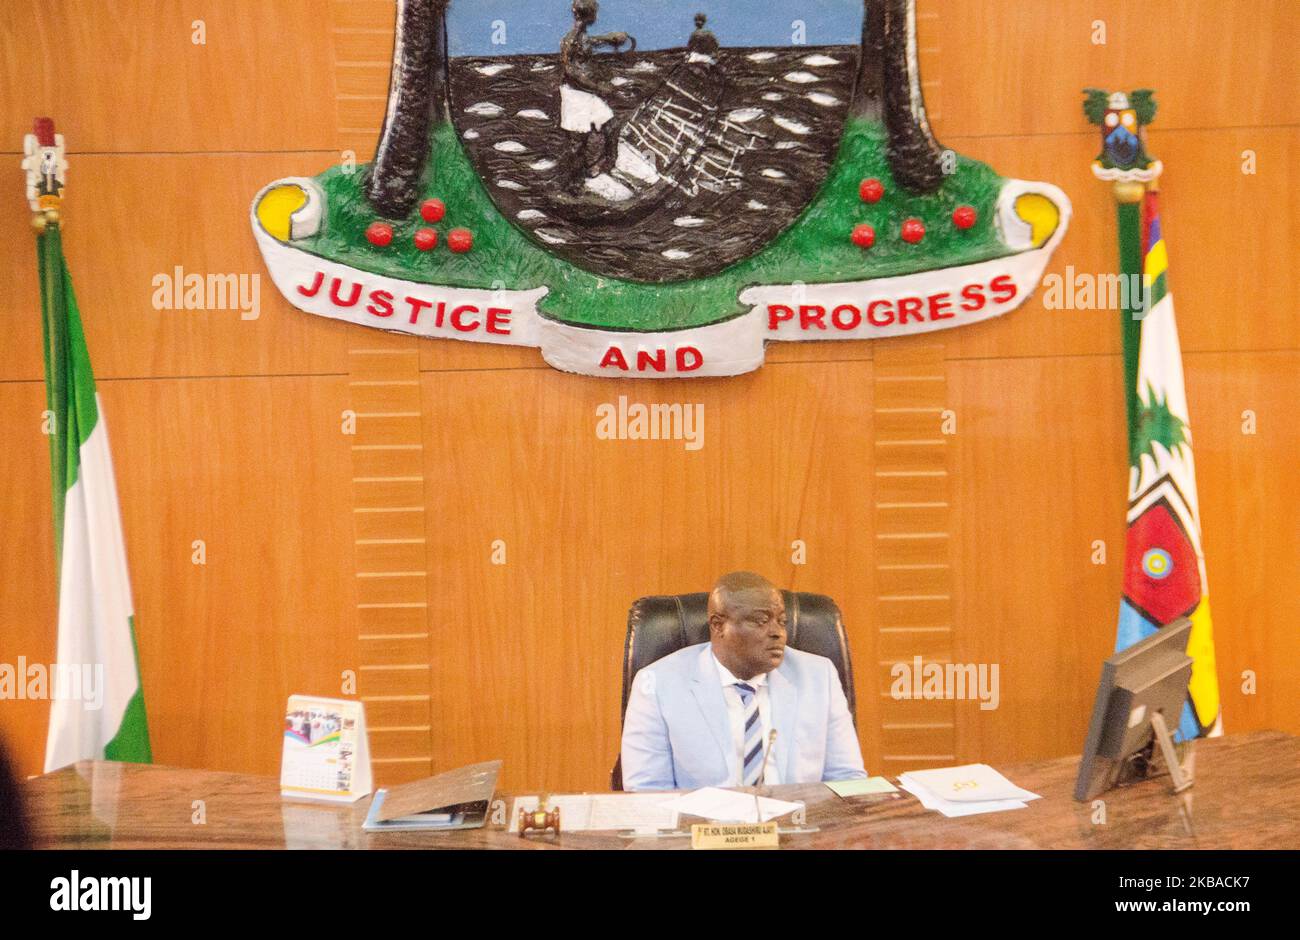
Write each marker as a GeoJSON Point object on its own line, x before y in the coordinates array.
{"type": "Point", "coordinates": [662, 624]}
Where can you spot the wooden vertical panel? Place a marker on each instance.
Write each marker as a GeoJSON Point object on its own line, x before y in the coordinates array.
{"type": "Point", "coordinates": [255, 470]}
{"type": "Point", "coordinates": [388, 467]}
{"type": "Point", "coordinates": [913, 602]}
{"type": "Point", "coordinates": [28, 595]}
{"type": "Point", "coordinates": [1039, 482]}
{"type": "Point", "coordinates": [1247, 446]}
{"type": "Point", "coordinates": [129, 76]}
{"type": "Point", "coordinates": [1014, 68]}
{"type": "Point", "coordinates": [362, 40]}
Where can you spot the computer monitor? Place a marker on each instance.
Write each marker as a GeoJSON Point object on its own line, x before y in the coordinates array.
{"type": "Point", "coordinates": [1147, 679]}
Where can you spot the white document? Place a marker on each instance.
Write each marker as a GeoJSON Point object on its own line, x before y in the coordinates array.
{"type": "Point", "coordinates": [970, 783]}
{"type": "Point", "coordinates": [640, 812]}
{"type": "Point", "coordinates": [719, 805]}
{"type": "Point", "coordinates": [952, 808]}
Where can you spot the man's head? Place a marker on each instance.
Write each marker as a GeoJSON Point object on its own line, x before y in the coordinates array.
{"type": "Point", "coordinates": [747, 624]}
{"type": "Point", "coordinates": [584, 11]}
{"type": "Point", "coordinates": [700, 20]}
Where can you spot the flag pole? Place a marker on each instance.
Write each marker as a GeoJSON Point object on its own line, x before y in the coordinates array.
{"type": "Point", "coordinates": [97, 709]}
{"type": "Point", "coordinates": [1164, 575]}
{"type": "Point", "coordinates": [1125, 164]}
{"type": "Point", "coordinates": [46, 167]}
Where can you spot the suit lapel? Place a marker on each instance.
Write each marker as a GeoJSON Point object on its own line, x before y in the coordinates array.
{"type": "Point", "coordinates": [707, 689]}
{"type": "Point", "coordinates": [784, 699]}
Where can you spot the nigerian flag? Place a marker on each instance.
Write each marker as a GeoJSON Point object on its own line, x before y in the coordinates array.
{"type": "Point", "coordinates": [96, 633]}
{"type": "Point", "coordinates": [1164, 568]}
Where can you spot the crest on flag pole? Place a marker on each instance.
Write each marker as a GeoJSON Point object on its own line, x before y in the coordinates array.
{"type": "Point", "coordinates": [657, 189]}
{"type": "Point", "coordinates": [1123, 119]}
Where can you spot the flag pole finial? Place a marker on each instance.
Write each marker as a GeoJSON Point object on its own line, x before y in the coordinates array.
{"type": "Point", "coordinates": [1123, 161]}
{"type": "Point", "coordinates": [45, 164]}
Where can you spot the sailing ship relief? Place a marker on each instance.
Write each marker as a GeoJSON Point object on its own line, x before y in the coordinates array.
{"type": "Point", "coordinates": [657, 189]}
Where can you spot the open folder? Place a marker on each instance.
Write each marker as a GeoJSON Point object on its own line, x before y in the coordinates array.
{"type": "Point", "coordinates": [457, 799]}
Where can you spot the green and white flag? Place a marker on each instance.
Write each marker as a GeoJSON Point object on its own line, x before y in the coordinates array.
{"type": "Point", "coordinates": [96, 630]}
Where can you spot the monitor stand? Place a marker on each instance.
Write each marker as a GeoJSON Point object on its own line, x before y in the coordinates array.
{"type": "Point", "coordinates": [1146, 763]}
{"type": "Point", "coordinates": [1181, 774]}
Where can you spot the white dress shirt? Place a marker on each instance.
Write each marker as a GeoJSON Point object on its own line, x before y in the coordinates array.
{"type": "Point", "coordinates": [736, 717]}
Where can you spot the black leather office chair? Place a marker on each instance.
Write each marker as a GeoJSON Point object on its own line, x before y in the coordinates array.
{"type": "Point", "coordinates": [659, 625]}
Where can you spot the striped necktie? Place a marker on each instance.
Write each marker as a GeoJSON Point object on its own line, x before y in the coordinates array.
{"type": "Point", "coordinates": [753, 735]}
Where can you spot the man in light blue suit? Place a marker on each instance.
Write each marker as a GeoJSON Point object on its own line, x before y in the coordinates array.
{"type": "Point", "coordinates": [742, 709]}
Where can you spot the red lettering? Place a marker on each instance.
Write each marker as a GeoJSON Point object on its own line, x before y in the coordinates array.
{"type": "Point", "coordinates": [315, 285]}
{"type": "Point", "coordinates": [1004, 285]}
{"type": "Point", "coordinates": [810, 314]}
{"type": "Point", "coordinates": [498, 320]}
{"type": "Point", "coordinates": [352, 300]}
{"type": "Point", "coordinates": [776, 313]}
{"type": "Point", "coordinates": [381, 299]}
{"type": "Point", "coordinates": [854, 313]}
{"type": "Point", "coordinates": [974, 297]}
{"type": "Point", "coordinates": [910, 307]}
{"type": "Point", "coordinates": [658, 362]}
{"type": "Point", "coordinates": [939, 303]}
{"type": "Point", "coordinates": [614, 357]}
{"type": "Point", "coordinates": [459, 324]}
{"type": "Point", "coordinates": [442, 312]}
{"type": "Point", "coordinates": [871, 313]}
{"type": "Point", "coordinates": [689, 359]}
{"type": "Point", "coordinates": [416, 306]}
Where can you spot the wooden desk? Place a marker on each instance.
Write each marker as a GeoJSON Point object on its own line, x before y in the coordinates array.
{"type": "Point", "coordinates": [1247, 796]}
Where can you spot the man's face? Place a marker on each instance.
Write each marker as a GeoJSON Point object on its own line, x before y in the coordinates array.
{"type": "Point", "coordinates": [750, 632]}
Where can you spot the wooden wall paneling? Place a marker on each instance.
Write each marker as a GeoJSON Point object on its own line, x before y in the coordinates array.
{"type": "Point", "coordinates": [28, 594]}
{"type": "Point", "coordinates": [131, 218]}
{"type": "Point", "coordinates": [1230, 236]}
{"type": "Point", "coordinates": [127, 77]}
{"type": "Point", "coordinates": [229, 430]}
{"type": "Point", "coordinates": [1246, 483]}
{"type": "Point", "coordinates": [1039, 476]}
{"type": "Point", "coordinates": [1014, 68]}
{"type": "Point", "coordinates": [588, 525]}
{"type": "Point", "coordinates": [362, 42]}
{"type": "Point", "coordinates": [913, 602]}
{"type": "Point", "coordinates": [388, 482]}
{"type": "Point", "coordinates": [252, 468]}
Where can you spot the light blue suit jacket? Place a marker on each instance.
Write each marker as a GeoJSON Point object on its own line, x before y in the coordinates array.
{"type": "Point", "coordinates": [676, 734]}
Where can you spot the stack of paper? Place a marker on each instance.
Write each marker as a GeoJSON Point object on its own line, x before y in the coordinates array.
{"type": "Point", "coordinates": [719, 805]}
{"type": "Point", "coordinates": [965, 791]}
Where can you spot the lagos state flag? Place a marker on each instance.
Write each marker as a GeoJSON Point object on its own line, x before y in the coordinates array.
{"type": "Point", "coordinates": [96, 632]}
{"type": "Point", "coordinates": [1164, 568]}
